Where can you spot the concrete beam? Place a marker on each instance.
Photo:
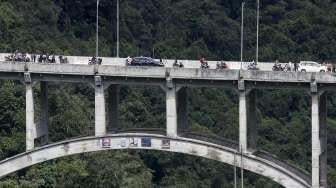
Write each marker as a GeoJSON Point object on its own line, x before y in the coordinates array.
{"type": "Point", "coordinates": [112, 106]}
{"type": "Point", "coordinates": [100, 117]}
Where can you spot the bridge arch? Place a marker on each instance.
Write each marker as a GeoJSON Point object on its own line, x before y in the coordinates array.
{"type": "Point", "coordinates": [259, 165]}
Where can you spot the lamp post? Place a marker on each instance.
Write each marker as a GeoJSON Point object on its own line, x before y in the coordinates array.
{"type": "Point", "coordinates": [97, 21]}
{"type": "Point", "coordinates": [257, 48]}
{"type": "Point", "coordinates": [242, 36]}
{"type": "Point", "coordinates": [118, 28]}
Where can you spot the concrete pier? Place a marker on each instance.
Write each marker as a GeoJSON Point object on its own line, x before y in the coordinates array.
{"type": "Point", "coordinates": [319, 139]}
{"type": "Point", "coordinates": [100, 117]}
{"type": "Point", "coordinates": [242, 121]}
{"type": "Point", "coordinates": [171, 111]}
{"type": "Point", "coordinates": [30, 124]}
{"type": "Point", "coordinates": [323, 141]}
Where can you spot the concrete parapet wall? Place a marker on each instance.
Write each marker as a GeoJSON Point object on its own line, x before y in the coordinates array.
{"type": "Point", "coordinates": [61, 69]}
{"type": "Point", "coordinates": [154, 72]}
{"type": "Point", "coordinates": [168, 62]}
{"type": "Point", "coordinates": [273, 76]}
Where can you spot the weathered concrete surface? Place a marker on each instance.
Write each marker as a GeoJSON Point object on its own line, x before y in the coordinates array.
{"type": "Point", "coordinates": [242, 121]}
{"type": "Point", "coordinates": [78, 73]}
{"type": "Point", "coordinates": [30, 123]}
{"type": "Point", "coordinates": [100, 112]}
{"type": "Point", "coordinates": [319, 142]}
{"type": "Point", "coordinates": [252, 163]}
{"type": "Point", "coordinates": [171, 112]}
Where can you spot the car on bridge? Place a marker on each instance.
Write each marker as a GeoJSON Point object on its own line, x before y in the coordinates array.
{"type": "Point", "coordinates": [311, 66]}
{"type": "Point", "coordinates": [144, 61]}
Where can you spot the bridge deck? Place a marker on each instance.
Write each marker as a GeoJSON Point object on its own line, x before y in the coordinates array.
{"type": "Point", "coordinates": [158, 75]}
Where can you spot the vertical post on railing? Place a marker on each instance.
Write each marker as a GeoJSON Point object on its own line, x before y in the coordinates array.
{"type": "Point", "coordinates": [30, 124]}
{"type": "Point", "coordinates": [100, 118]}
{"type": "Point", "coordinates": [118, 18]}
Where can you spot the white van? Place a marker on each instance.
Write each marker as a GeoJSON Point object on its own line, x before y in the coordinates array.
{"type": "Point", "coordinates": [311, 66]}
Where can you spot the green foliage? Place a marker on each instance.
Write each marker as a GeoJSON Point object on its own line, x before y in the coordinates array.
{"type": "Point", "coordinates": [289, 30]}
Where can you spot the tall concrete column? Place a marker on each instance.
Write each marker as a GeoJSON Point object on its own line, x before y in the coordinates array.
{"type": "Point", "coordinates": [30, 125]}
{"type": "Point", "coordinates": [44, 113]}
{"type": "Point", "coordinates": [242, 121]}
{"type": "Point", "coordinates": [100, 117]}
{"type": "Point", "coordinates": [171, 111]}
{"type": "Point", "coordinates": [319, 155]}
{"type": "Point", "coordinates": [182, 109]}
{"type": "Point", "coordinates": [323, 140]}
{"type": "Point", "coordinates": [252, 120]}
{"type": "Point", "coordinates": [112, 106]}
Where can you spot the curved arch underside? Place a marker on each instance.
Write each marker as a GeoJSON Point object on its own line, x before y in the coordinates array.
{"type": "Point", "coordinates": [252, 163]}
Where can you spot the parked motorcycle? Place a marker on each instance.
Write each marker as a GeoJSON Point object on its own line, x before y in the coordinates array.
{"type": "Point", "coordinates": [205, 66]}
{"type": "Point", "coordinates": [221, 66]}
{"type": "Point", "coordinates": [278, 67]}
{"type": "Point", "coordinates": [252, 66]}
{"type": "Point", "coordinates": [178, 64]}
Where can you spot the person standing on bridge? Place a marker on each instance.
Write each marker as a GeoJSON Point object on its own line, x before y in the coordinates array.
{"type": "Point", "coordinates": [296, 67]}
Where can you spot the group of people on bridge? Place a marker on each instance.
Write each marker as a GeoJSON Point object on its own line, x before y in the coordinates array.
{"type": "Point", "coordinates": [33, 57]}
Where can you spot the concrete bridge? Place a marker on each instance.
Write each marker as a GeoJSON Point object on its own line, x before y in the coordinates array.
{"type": "Point", "coordinates": [173, 82]}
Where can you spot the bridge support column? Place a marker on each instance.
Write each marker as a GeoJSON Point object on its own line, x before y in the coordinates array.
{"type": "Point", "coordinates": [30, 124]}
{"type": "Point", "coordinates": [319, 140]}
{"type": "Point", "coordinates": [171, 111]}
{"type": "Point", "coordinates": [100, 118]}
{"type": "Point", "coordinates": [182, 109]}
{"type": "Point", "coordinates": [112, 106]}
{"type": "Point", "coordinates": [43, 127]}
{"type": "Point", "coordinates": [242, 121]}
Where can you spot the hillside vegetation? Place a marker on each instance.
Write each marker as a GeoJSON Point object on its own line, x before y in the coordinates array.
{"type": "Point", "coordinates": [290, 30]}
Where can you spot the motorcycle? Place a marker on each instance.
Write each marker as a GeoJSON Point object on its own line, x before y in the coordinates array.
{"type": "Point", "coordinates": [63, 60]}
{"type": "Point", "coordinates": [178, 64]}
{"type": "Point", "coordinates": [205, 66]}
{"type": "Point", "coordinates": [278, 67]}
{"type": "Point", "coordinates": [95, 61]}
{"type": "Point", "coordinates": [252, 66]}
{"type": "Point", "coordinates": [221, 66]}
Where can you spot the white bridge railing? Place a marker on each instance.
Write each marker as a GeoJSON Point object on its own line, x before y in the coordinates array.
{"type": "Point", "coordinates": [267, 66]}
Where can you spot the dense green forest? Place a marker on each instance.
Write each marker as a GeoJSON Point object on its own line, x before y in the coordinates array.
{"type": "Point", "coordinates": [289, 30]}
